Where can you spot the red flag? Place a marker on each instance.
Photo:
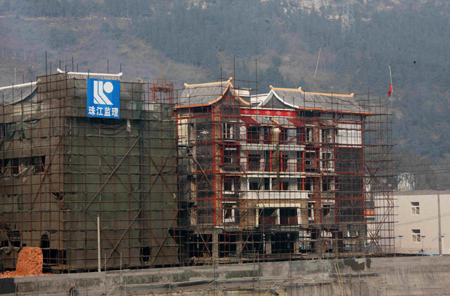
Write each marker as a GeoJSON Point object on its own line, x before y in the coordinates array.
{"type": "Point", "coordinates": [390, 90]}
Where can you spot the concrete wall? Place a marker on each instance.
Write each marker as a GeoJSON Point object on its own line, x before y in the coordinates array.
{"type": "Point", "coordinates": [426, 221]}
{"type": "Point", "coordinates": [371, 276]}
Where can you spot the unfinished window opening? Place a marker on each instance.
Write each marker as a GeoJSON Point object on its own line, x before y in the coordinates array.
{"type": "Point", "coordinates": [284, 136]}
{"type": "Point", "coordinates": [284, 163]}
{"type": "Point", "coordinates": [288, 216]}
{"type": "Point", "coordinates": [229, 215]}
{"type": "Point", "coordinates": [285, 185]}
{"type": "Point", "coordinates": [227, 245]}
{"type": "Point", "coordinates": [327, 160]}
{"type": "Point", "coordinates": [58, 195]}
{"type": "Point", "coordinates": [15, 166]}
{"type": "Point", "coordinates": [326, 210]}
{"type": "Point", "coordinates": [231, 185]}
{"type": "Point", "coordinates": [327, 135]}
{"type": "Point", "coordinates": [253, 135]}
{"type": "Point", "coordinates": [309, 184]}
{"type": "Point", "coordinates": [145, 254]}
{"type": "Point", "coordinates": [254, 161]}
{"type": "Point", "coordinates": [326, 184]}
{"type": "Point", "coordinates": [14, 238]}
{"type": "Point", "coordinates": [200, 110]}
{"type": "Point", "coordinates": [267, 135]}
{"type": "Point", "coordinates": [268, 216]}
{"type": "Point", "coordinates": [267, 161]}
{"type": "Point", "coordinates": [230, 158]}
{"type": "Point", "coordinates": [309, 135]}
{"type": "Point", "coordinates": [310, 211]}
{"type": "Point", "coordinates": [415, 208]}
{"type": "Point", "coordinates": [416, 238]}
{"type": "Point", "coordinates": [228, 131]}
{"type": "Point", "coordinates": [39, 163]}
{"type": "Point", "coordinates": [310, 165]}
{"type": "Point", "coordinates": [254, 185]}
{"type": "Point", "coordinates": [45, 246]}
{"type": "Point", "coordinates": [267, 184]}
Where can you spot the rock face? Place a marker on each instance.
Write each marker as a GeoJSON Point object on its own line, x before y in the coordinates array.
{"type": "Point", "coordinates": [29, 263]}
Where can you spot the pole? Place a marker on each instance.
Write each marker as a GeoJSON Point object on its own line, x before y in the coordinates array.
{"type": "Point", "coordinates": [317, 64]}
{"type": "Point", "coordinates": [98, 245]}
{"type": "Point", "coordinates": [439, 223]}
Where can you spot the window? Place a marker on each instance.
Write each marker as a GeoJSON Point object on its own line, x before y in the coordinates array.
{"type": "Point", "coordinates": [416, 235]}
{"type": "Point", "coordinates": [327, 135]}
{"type": "Point", "coordinates": [254, 161]}
{"type": "Point", "coordinates": [284, 136]}
{"type": "Point", "coordinates": [266, 135]}
{"type": "Point", "coordinates": [310, 211]}
{"type": "Point", "coordinates": [255, 185]}
{"type": "Point", "coordinates": [253, 135]}
{"type": "Point", "coordinates": [228, 185]}
{"type": "Point", "coordinates": [39, 163]}
{"type": "Point", "coordinates": [229, 215]}
{"type": "Point", "coordinates": [227, 131]}
{"type": "Point", "coordinates": [309, 184]}
{"type": "Point", "coordinates": [231, 184]}
{"type": "Point", "coordinates": [308, 135]}
{"type": "Point", "coordinates": [415, 209]}
{"type": "Point", "coordinates": [327, 160]}
{"type": "Point", "coordinates": [326, 210]}
{"type": "Point", "coordinates": [266, 183]}
{"type": "Point", "coordinates": [230, 156]}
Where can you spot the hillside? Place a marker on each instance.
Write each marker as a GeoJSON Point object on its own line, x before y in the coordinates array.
{"type": "Point", "coordinates": [195, 41]}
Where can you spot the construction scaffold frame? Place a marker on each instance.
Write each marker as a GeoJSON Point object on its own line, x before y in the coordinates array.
{"type": "Point", "coordinates": [212, 173]}
{"type": "Point", "coordinates": [288, 174]}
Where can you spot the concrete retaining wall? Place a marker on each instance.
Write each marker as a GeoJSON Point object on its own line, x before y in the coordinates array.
{"type": "Point", "coordinates": [371, 276]}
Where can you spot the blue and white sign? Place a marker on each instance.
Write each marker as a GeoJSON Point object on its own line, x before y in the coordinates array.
{"type": "Point", "coordinates": [103, 98]}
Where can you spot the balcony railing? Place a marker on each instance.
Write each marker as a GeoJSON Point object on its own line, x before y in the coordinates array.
{"type": "Point", "coordinates": [268, 221]}
{"type": "Point", "coordinates": [289, 220]}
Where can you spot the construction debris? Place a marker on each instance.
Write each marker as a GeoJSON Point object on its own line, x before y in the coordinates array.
{"type": "Point", "coordinates": [30, 263]}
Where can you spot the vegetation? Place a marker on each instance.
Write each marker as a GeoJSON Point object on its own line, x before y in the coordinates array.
{"type": "Point", "coordinates": [203, 37]}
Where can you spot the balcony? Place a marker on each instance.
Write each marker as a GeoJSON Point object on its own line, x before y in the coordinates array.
{"type": "Point", "coordinates": [267, 146]}
{"type": "Point", "coordinates": [268, 221]}
{"type": "Point", "coordinates": [279, 195]}
{"type": "Point", "coordinates": [289, 220]}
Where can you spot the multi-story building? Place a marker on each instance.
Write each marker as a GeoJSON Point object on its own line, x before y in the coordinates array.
{"type": "Point", "coordinates": [283, 176]}
{"type": "Point", "coordinates": [93, 184]}
{"type": "Point", "coordinates": [421, 216]}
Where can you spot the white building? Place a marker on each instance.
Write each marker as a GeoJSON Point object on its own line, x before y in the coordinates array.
{"type": "Point", "coordinates": [417, 223]}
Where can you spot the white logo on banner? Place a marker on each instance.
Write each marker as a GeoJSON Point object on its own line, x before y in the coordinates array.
{"type": "Point", "coordinates": [99, 92]}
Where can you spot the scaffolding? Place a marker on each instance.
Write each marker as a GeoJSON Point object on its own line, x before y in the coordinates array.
{"type": "Point", "coordinates": [211, 174]}
{"type": "Point", "coordinates": [71, 183]}
{"type": "Point", "coordinates": [288, 174]}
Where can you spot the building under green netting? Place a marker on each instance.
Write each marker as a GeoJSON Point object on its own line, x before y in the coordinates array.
{"type": "Point", "coordinates": [62, 172]}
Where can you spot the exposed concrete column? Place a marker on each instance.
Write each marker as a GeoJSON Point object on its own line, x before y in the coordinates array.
{"type": "Point", "coordinates": [215, 244]}
{"type": "Point", "coordinates": [296, 243]}
{"type": "Point", "coordinates": [268, 244]}
{"type": "Point", "coordinates": [239, 247]}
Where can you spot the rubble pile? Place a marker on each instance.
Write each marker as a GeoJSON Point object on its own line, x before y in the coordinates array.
{"type": "Point", "coordinates": [29, 263]}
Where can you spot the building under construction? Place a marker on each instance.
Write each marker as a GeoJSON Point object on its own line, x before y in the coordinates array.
{"type": "Point", "coordinates": [283, 175]}
{"type": "Point", "coordinates": [78, 178]}
{"type": "Point", "coordinates": [216, 174]}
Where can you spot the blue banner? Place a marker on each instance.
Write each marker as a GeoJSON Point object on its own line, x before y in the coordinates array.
{"type": "Point", "coordinates": [103, 98]}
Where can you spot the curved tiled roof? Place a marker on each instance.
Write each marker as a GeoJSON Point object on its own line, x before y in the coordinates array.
{"type": "Point", "coordinates": [205, 94]}
{"type": "Point", "coordinates": [297, 98]}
